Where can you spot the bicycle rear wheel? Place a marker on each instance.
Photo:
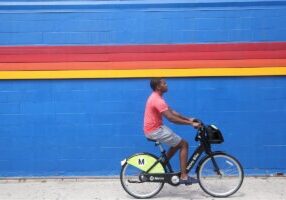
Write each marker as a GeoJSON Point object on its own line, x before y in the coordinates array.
{"type": "Point", "coordinates": [135, 186]}
{"type": "Point", "coordinates": [224, 184]}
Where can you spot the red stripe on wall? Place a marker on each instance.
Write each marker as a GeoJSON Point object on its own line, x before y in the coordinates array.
{"type": "Point", "coordinates": [123, 57]}
{"type": "Point", "coordinates": [267, 46]}
{"type": "Point", "coordinates": [143, 56]}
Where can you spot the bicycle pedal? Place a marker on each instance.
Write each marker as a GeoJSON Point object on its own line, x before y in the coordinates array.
{"type": "Point", "coordinates": [189, 181]}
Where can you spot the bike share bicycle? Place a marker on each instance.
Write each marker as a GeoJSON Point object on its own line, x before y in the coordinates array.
{"type": "Point", "coordinates": [219, 174]}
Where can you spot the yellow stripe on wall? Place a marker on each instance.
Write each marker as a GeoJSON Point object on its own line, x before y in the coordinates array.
{"type": "Point", "coordinates": [143, 73]}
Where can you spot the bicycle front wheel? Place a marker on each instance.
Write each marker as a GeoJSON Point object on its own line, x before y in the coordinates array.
{"type": "Point", "coordinates": [223, 183]}
{"type": "Point", "coordinates": [135, 186]}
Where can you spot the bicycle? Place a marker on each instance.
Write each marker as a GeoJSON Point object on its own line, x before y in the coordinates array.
{"type": "Point", "coordinates": [219, 174]}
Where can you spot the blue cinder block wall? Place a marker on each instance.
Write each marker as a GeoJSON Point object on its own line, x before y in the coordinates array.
{"type": "Point", "coordinates": [86, 127]}
{"type": "Point", "coordinates": [141, 22]}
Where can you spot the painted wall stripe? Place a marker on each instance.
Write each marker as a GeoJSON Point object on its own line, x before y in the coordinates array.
{"type": "Point", "coordinates": [252, 46]}
{"type": "Point", "coordinates": [144, 65]}
{"type": "Point", "coordinates": [75, 74]}
{"type": "Point", "coordinates": [121, 57]}
{"type": "Point", "coordinates": [84, 5]}
{"type": "Point", "coordinates": [143, 52]}
{"type": "Point", "coordinates": [138, 60]}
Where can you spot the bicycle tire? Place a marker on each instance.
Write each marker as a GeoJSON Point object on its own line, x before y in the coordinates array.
{"type": "Point", "coordinates": [223, 185]}
{"type": "Point", "coordinates": [145, 190]}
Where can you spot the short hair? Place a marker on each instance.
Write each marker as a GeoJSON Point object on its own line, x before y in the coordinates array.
{"type": "Point", "coordinates": [155, 82]}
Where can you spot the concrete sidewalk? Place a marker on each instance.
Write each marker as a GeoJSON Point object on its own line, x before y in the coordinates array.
{"type": "Point", "coordinates": [273, 188]}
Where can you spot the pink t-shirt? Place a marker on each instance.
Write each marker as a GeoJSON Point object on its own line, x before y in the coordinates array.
{"type": "Point", "coordinates": [153, 112]}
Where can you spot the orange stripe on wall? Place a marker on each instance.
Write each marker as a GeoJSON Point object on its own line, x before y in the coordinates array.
{"type": "Point", "coordinates": [144, 65]}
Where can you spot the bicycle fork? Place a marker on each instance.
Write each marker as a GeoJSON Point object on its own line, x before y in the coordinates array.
{"type": "Point", "coordinates": [215, 165]}
{"type": "Point", "coordinates": [216, 168]}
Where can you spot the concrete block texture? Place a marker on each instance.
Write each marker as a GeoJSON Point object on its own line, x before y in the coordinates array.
{"type": "Point", "coordinates": [140, 22]}
{"type": "Point", "coordinates": [86, 127]}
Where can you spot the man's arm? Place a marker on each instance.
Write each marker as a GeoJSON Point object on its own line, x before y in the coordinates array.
{"type": "Point", "coordinates": [179, 115]}
{"type": "Point", "coordinates": [177, 119]}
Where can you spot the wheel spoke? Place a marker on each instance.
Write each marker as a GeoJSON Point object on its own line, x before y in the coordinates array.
{"type": "Point", "coordinates": [134, 186]}
{"type": "Point", "coordinates": [222, 185]}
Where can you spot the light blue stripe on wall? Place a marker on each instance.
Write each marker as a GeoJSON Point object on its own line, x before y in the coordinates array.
{"type": "Point", "coordinates": [143, 23]}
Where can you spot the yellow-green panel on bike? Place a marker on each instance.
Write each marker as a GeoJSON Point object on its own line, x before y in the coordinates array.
{"type": "Point", "coordinates": [144, 162]}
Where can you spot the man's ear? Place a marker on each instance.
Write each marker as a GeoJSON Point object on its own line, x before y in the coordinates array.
{"type": "Point", "coordinates": [157, 88]}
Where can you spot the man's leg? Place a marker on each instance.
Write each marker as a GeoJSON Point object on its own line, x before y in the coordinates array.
{"type": "Point", "coordinates": [183, 158]}
{"type": "Point", "coordinates": [184, 149]}
{"type": "Point", "coordinates": [167, 136]}
{"type": "Point", "coordinates": [171, 152]}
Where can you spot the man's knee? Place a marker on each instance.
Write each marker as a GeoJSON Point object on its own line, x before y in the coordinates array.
{"type": "Point", "coordinates": [183, 144]}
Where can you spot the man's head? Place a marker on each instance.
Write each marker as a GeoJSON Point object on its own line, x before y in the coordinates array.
{"type": "Point", "coordinates": [159, 85]}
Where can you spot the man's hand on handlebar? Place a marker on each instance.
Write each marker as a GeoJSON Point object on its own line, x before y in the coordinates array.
{"type": "Point", "coordinates": [196, 123]}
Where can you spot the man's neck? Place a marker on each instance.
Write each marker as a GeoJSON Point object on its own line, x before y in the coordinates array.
{"type": "Point", "coordinates": [159, 93]}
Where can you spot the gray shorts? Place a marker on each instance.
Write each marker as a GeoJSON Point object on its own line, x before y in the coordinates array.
{"type": "Point", "coordinates": [165, 135]}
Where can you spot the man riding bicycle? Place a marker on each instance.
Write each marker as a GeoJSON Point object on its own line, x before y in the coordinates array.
{"type": "Point", "coordinates": [156, 107]}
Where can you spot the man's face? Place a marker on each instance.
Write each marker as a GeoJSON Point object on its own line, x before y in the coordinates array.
{"type": "Point", "coordinates": [163, 87]}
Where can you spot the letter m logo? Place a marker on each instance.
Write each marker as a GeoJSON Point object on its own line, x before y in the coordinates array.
{"type": "Point", "coordinates": [141, 161]}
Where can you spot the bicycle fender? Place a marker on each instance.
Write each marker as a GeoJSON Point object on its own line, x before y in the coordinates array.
{"type": "Point", "coordinates": [206, 156]}
{"type": "Point", "coordinates": [144, 161]}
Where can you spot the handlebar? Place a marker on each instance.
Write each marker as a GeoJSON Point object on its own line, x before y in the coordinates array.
{"type": "Point", "coordinates": [208, 134]}
{"type": "Point", "coordinates": [200, 122]}
{"type": "Point", "coordinates": [200, 131]}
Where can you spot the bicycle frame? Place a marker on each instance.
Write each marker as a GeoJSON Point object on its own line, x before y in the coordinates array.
{"type": "Point", "coordinates": [218, 173]}
{"type": "Point", "coordinates": [204, 146]}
